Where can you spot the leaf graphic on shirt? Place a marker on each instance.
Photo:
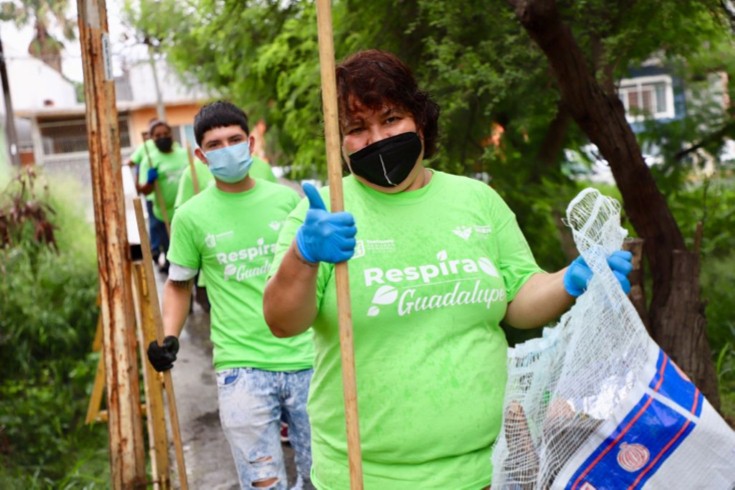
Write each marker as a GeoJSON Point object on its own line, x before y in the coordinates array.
{"type": "Point", "coordinates": [463, 232]}
{"type": "Point", "coordinates": [487, 266]}
{"type": "Point", "coordinates": [442, 255]}
{"type": "Point", "coordinates": [373, 311]}
{"type": "Point", "coordinates": [385, 295]}
{"type": "Point", "coordinates": [230, 270]}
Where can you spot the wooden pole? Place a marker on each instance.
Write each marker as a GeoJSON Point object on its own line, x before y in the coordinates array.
{"type": "Point", "coordinates": [153, 384]}
{"type": "Point", "coordinates": [637, 293]}
{"type": "Point", "coordinates": [192, 169]}
{"type": "Point", "coordinates": [145, 244]}
{"type": "Point", "coordinates": [127, 459]}
{"type": "Point", "coordinates": [334, 169]}
{"type": "Point", "coordinates": [98, 387]}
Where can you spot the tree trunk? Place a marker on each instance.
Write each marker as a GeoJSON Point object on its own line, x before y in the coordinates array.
{"type": "Point", "coordinates": [45, 48]}
{"type": "Point", "coordinates": [547, 159]}
{"type": "Point", "coordinates": [676, 315]}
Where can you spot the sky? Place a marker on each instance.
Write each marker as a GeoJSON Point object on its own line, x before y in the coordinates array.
{"type": "Point", "coordinates": [15, 42]}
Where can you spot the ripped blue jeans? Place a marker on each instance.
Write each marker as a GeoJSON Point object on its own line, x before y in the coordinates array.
{"type": "Point", "coordinates": [250, 405]}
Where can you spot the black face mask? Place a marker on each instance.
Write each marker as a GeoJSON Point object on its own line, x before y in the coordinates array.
{"type": "Point", "coordinates": [387, 162]}
{"type": "Point", "coordinates": [164, 144]}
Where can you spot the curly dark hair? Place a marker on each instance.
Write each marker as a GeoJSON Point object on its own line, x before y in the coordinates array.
{"type": "Point", "coordinates": [372, 77]}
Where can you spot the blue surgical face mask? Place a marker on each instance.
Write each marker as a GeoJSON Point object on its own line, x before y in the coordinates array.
{"type": "Point", "coordinates": [230, 164]}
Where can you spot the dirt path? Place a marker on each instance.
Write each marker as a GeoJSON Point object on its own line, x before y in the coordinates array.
{"type": "Point", "coordinates": [209, 464]}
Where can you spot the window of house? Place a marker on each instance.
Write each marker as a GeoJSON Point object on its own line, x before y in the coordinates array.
{"type": "Point", "coordinates": [184, 135]}
{"type": "Point", "coordinates": [70, 135]}
{"type": "Point", "coordinates": [647, 97]}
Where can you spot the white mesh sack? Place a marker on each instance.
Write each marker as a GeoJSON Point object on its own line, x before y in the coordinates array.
{"type": "Point", "coordinates": [595, 403]}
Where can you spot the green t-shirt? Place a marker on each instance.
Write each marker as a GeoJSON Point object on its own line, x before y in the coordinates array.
{"type": "Point", "coordinates": [262, 170]}
{"type": "Point", "coordinates": [430, 280]}
{"type": "Point", "coordinates": [169, 165]}
{"type": "Point", "coordinates": [259, 170]}
{"type": "Point", "coordinates": [147, 148]}
{"type": "Point", "coordinates": [186, 183]}
{"type": "Point", "coordinates": [142, 152]}
{"type": "Point", "coordinates": [232, 237]}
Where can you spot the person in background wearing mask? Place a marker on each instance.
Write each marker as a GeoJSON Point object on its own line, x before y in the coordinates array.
{"type": "Point", "coordinates": [436, 262]}
{"type": "Point", "coordinates": [146, 149]}
{"type": "Point", "coordinates": [229, 232]}
{"type": "Point", "coordinates": [164, 167]}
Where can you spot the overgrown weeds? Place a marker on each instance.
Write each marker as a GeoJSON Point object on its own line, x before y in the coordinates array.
{"type": "Point", "coordinates": [48, 314]}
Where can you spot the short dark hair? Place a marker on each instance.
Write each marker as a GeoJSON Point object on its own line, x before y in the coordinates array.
{"type": "Point", "coordinates": [154, 124]}
{"type": "Point", "coordinates": [218, 114]}
{"type": "Point", "coordinates": [372, 77]}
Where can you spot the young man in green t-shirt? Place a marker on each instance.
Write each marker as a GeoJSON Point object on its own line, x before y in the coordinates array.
{"type": "Point", "coordinates": [162, 167]}
{"type": "Point", "coordinates": [229, 232]}
{"type": "Point", "coordinates": [187, 189]}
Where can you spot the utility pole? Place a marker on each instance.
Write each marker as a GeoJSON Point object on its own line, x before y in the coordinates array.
{"type": "Point", "coordinates": [11, 134]}
{"type": "Point", "coordinates": [160, 108]}
{"type": "Point", "coordinates": [127, 447]}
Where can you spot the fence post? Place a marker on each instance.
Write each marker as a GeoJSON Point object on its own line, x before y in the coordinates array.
{"type": "Point", "coordinates": [127, 456]}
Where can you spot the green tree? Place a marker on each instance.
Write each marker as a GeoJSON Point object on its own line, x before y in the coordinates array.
{"type": "Point", "coordinates": [41, 14]}
{"type": "Point", "coordinates": [676, 311]}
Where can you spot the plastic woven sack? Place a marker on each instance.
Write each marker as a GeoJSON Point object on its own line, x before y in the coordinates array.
{"type": "Point", "coordinates": [595, 403]}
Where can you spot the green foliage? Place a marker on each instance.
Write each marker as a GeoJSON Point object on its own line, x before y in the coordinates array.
{"type": "Point", "coordinates": [718, 274]}
{"type": "Point", "coordinates": [39, 13]}
{"type": "Point", "coordinates": [262, 55]}
{"type": "Point", "coordinates": [47, 324]}
{"type": "Point", "coordinates": [709, 202]}
{"type": "Point", "coordinates": [725, 367]}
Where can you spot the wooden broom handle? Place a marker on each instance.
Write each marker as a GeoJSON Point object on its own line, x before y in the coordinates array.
{"type": "Point", "coordinates": [334, 169]}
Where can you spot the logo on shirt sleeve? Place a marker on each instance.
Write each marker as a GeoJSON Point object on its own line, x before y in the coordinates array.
{"type": "Point", "coordinates": [465, 232]}
{"type": "Point", "coordinates": [362, 247]}
{"type": "Point", "coordinates": [211, 240]}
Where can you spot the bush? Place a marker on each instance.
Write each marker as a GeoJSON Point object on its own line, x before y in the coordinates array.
{"type": "Point", "coordinates": [48, 317]}
{"type": "Point", "coordinates": [718, 275]}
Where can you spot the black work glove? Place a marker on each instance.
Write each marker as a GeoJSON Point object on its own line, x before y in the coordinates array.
{"type": "Point", "coordinates": [162, 357]}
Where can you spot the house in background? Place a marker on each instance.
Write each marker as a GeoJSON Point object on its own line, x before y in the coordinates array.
{"type": "Point", "coordinates": [58, 136]}
{"type": "Point", "coordinates": [51, 123]}
{"type": "Point", "coordinates": [181, 101]}
{"type": "Point", "coordinates": [652, 93]}
{"type": "Point", "coordinates": [34, 86]}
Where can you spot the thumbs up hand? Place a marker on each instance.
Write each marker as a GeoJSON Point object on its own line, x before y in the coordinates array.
{"type": "Point", "coordinates": [325, 236]}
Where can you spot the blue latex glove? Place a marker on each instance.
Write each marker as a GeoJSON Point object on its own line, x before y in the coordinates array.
{"type": "Point", "coordinates": [152, 175]}
{"type": "Point", "coordinates": [578, 274]}
{"type": "Point", "coordinates": [325, 236]}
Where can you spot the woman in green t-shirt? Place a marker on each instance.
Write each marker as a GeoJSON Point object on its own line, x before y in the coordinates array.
{"type": "Point", "coordinates": [438, 262]}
